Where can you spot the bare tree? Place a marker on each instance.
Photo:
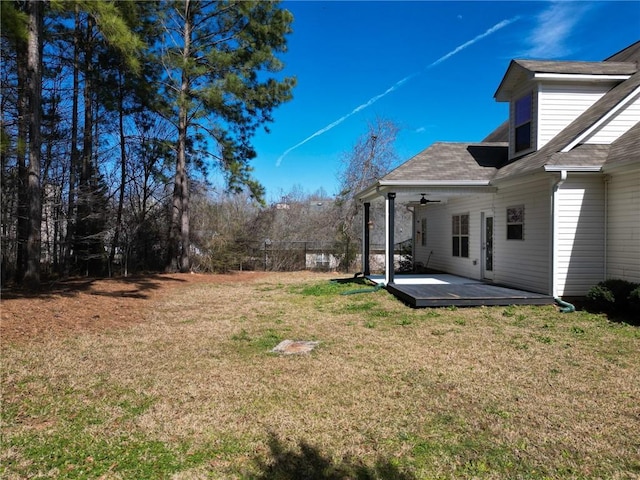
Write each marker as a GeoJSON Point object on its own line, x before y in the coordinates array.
{"type": "Point", "coordinates": [372, 156]}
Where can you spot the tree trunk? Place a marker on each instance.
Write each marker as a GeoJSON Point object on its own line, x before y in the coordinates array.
{"type": "Point", "coordinates": [32, 274]}
{"type": "Point", "coordinates": [179, 240]}
{"type": "Point", "coordinates": [83, 215]}
{"type": "Point", "coordinates": [123, 172]}
{"type": "Point", "coordinates": [73, 167]}
{"type": "Point", "coordinates": [22, 211]}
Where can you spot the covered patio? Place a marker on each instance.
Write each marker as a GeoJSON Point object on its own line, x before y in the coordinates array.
{"type": "Point", "coordinates": [443, 290]}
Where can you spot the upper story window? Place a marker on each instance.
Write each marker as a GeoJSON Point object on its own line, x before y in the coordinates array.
{"type": "Point", "coordinates": [522, 123]}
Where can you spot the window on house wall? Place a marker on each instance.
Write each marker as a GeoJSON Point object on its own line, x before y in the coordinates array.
{"type": "Point", "coordinates": [423, 229]}
{"type": "Point", "coordinates": [460, 235]}
{"type": "Point", "coordinates": [522, 122]}
{"type": "Point", "coordinates": [515, 223]}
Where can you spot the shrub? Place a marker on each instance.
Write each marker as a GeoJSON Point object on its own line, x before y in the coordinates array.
{"type": "Point", "coordinates": [614, 295]}
{"type": "Point", "coordinates": [634, 299]}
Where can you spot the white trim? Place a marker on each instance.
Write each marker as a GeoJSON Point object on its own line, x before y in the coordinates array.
{"type": "Point", "coordinates": [601, 121]}
{"type": "Point", "coordinates": [554, 231]}
{"type": "Point", "coordinates": [387, 254]}
{"type": "Point", "coordinates": [441, 187]}
{"type": "Point", "coordinates": [484, 273]}
{"type": "Point", "coordinates": [580, 76]}
{"type": "Point", "coordinates": [572, 168]}
{"type": "Point", "coordinates": [435, 183]}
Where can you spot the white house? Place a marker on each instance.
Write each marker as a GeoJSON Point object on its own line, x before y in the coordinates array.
{"type": "Point", "coordinates": [550, 201]}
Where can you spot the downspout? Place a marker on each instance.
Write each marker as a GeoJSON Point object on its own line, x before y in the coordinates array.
{"type": "Point", "coordinates": [565, 306]}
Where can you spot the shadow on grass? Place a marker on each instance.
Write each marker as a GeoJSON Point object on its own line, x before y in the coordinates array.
{"type": "Point", "coordinates": [629, 316]}
{"type": "Point", "coordinates": [309, 463]}
{"type": "Point", "coordinates": [70, 287]}
{"type": "Point", "coordinates": [352, 281]}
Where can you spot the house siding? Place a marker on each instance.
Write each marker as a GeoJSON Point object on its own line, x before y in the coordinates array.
{"type": "Point", "coordinates": [439, 235]}
{"type": "Point", "coordinates": [618, 124]}
{"type": "Point", "coordinates": [517, 263]}
{"type": "Point", "coordinates": [580, 234]}
{"type": "Point", "coordinates": [524, 263]}
{"type": "Point", "coordinates": [623, 223]}
{"type": "Point", "coordinates": [560, 104]}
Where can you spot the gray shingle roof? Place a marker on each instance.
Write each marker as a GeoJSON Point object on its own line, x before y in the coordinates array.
{"type": "Point", "coordinates": [629, 54]}
{"type": "Point", "coordinates": [488, 160]}
{"type": "Point", "coordinates": [584, 68]}
{"type": "Point", "coordinates": [500, 134]}
{"type": "Point", "coordinates": [520, 71]}
{"type": "Point", "coordinates": [582, 156]}
{"type": "Point", "coordinates": [453, 162]}
{"type": "Point", "coordinates": [539, 159]}
{"type": "Point", "coordinates": [625, 149]}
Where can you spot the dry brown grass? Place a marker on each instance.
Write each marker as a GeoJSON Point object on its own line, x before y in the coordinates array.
{"type": "Point", "coordinates": [516, 392]}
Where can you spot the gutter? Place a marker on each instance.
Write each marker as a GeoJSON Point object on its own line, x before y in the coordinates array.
{"type": "Point", "coordinates": [573, 168]}
{"type": "Point", "coordinates": [554, 231]}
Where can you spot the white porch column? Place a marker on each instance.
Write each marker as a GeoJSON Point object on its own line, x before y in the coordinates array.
{"type": "Point", "coordinates": [366, 269]}
{"type": "Point", "coordinates": [389, 244]}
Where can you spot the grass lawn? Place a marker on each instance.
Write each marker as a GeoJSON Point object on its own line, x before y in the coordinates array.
{"type": "Point", "coordinates": [190, 390]}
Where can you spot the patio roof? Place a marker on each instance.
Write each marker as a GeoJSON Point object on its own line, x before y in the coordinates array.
{"type": "Point", "coordinates": [441, 171]}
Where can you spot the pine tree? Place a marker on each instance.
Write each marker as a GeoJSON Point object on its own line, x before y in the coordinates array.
{"type": "Point", "coordinates": [218, 62]}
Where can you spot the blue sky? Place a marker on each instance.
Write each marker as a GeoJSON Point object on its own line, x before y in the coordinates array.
{"type": "Point", "coordinates": [431, 67]}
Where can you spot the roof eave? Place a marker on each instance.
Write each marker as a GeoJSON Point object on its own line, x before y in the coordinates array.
{"type": "Point", "coordinates": [580, 76]}
{"type": "Point", "coordinates": [382, 187]}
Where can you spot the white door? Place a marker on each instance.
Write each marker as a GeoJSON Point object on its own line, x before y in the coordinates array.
{"type": "Point", "coordinates": [487, 246]}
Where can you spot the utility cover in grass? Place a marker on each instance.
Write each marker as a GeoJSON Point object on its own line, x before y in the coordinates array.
{"type": "Point", "coordinates": [294, 347]}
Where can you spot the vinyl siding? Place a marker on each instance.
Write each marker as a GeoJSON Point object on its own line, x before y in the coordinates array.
{"type": "Point", "coordinates": [623, 223]}
{"type": "Point", "coordinates": [527, 263]}
{"type": "Point", "coordinates": [580, 235]}
{"type": "Point", "coordinates": [618, 124]}
{"type": "Point", "coordinates": [517, 263]}
{"type": "Point", "coordinates": [439, 235]}
{"type": "Point", "coordinates": [560, 104]}
{"type": "Point", "coordinates": [524, 263]}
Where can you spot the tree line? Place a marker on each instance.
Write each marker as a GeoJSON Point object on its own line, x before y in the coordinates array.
{"type": "Point", "coordinates": [110, 109]}
{"type": "Point", "coordinates": [115, 114]}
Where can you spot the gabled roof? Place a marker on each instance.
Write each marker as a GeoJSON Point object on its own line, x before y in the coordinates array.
{"type": "Point", "coordinates": [629, 54]}
{"type": "Point", "coordinates": [519, 71]}
{"type": "Point", "coordinates": [550, 153]}
{"type": "Point", "coordinates": [500, 134]}
{"type": "Point", "coordinates": [466, 164]}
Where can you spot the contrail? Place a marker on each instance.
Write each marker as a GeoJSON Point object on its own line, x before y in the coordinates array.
{"type": "Point", "coordinates": [397, 85]}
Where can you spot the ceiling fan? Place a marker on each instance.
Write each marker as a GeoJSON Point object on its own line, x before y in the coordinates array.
{"type": "Point", "coordinates": [424, 201]}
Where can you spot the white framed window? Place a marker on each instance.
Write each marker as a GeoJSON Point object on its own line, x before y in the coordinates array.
{"type": "Point", "coordinates": [460, 235]}
{"type": "Point", "coordinates": [523, 115]}
{"type": "Point", "coordinates": [515, 223]}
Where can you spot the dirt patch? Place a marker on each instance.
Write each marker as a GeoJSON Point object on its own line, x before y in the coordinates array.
{"type": "Point", "coordinates": [90, 304]}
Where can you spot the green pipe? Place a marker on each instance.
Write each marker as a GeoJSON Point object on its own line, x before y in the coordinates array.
{"type": "Point", "coordinates": [362, 290]}
{"type": "Point", "coordinates": [566, 307]}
